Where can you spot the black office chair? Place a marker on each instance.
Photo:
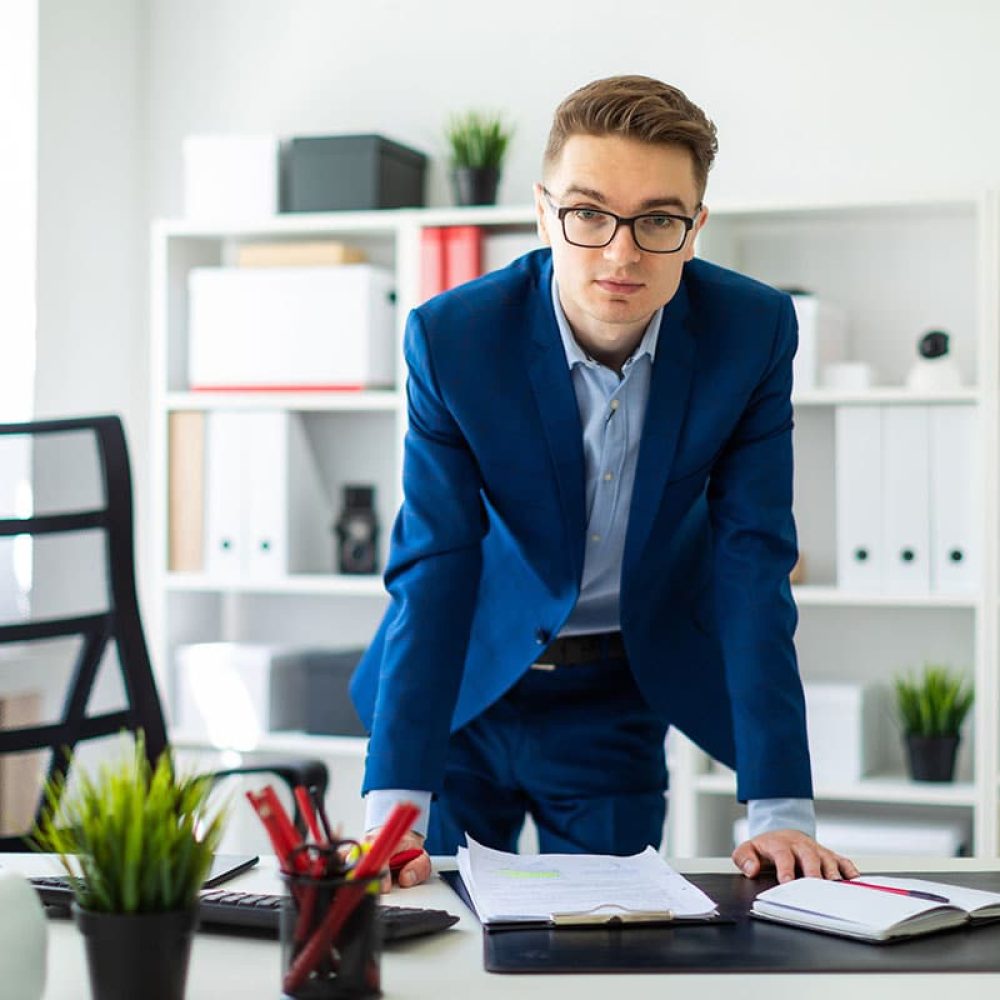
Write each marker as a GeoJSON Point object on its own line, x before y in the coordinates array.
{"type": "Point", "coordinates": [78, 518]}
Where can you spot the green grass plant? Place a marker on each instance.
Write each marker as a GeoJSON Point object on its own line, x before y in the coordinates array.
{"type": "Point", "coordinates": [478, 140]}
{"type": "Point", "coordinates": [135, 838]}
{"type": "Point", "coordinates": [934, 703]}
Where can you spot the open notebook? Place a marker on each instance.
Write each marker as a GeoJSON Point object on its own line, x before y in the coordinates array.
{"type": "Point", "coordinates": [574, 889]}
{"type": "Point", "coordinates": [873, 915]}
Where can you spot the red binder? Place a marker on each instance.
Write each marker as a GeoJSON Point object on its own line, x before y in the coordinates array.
{"type": "Point", "coordinates": [432, 271]}
{"type": "Point", "coordinates": [462, 254]}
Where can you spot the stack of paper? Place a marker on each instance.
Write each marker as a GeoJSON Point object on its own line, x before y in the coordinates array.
{"type": "Point", "coordinates": [577, 888]}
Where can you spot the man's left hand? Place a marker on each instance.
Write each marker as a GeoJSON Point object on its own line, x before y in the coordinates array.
{"type": "Point", "coordinates": [791, 853]}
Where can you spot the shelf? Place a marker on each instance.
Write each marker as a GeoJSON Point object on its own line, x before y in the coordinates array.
{"type": "Point", "coordinates": [369, 400]}
{"type": "Point", "coordinates": [289, 742]}
{"type": "Point", "coordinates": [889, 789]}
{"type": "Point", "coordinates": [817, 595]}
{"type": "Point", "coordinates": [304, 583]}
{"type": "Point", "coordinates": [883, 394]}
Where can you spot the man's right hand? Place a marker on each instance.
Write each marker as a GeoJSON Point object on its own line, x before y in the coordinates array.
{"type": "Point", "coordinates": [417, 871]}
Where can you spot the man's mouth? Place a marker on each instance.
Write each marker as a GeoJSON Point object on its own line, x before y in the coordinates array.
{"type": "Point", "coordinates": [618, 287]}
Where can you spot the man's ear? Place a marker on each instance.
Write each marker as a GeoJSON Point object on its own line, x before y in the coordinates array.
{"type": "Point", "coordinates": [700, 219]}
{"type": "Point", "coordinates": [541, 221]}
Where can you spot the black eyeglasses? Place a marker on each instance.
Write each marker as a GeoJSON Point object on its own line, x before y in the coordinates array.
{"type": "Point", "coordinates": [654, 232]}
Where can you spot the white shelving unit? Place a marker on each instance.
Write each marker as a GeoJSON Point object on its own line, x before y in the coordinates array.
{"type": "Point", "coordinates": [899, 269]}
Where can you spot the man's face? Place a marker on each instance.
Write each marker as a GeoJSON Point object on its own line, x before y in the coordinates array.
{"type": "Point", "coordinates": [610, 293]}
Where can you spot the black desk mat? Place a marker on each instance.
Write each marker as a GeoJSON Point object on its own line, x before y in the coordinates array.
{"type": "Point", "coordinates": [743, 944]}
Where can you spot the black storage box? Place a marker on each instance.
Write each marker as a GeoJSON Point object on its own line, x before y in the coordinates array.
{"type": "Point", "coordinates": [332, 173]}
{"type": "Point", "coordinates": [328, 708]}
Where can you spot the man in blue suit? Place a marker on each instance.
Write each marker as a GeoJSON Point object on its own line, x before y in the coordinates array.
{"type": "Point", "coordinates": [596, 532]}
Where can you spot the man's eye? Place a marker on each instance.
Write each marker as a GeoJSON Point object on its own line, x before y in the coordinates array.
{"type": "Point", "coordinates": [660, 221]}
{"type": "Point", "coordinates": [588, 215]}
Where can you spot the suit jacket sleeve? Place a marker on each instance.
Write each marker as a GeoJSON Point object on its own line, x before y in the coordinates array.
{"type": "Point", "coordinates": [432, 577]}
{"type": "Point", "coordinates": [750, 503]}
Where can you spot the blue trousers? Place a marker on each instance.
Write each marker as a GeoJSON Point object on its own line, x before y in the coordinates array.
{"type": "Point", "coordinates": [577, 748]}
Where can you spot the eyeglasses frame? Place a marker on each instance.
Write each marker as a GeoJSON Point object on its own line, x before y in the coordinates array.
{"type": "Point", "coordinates": [620, 220]}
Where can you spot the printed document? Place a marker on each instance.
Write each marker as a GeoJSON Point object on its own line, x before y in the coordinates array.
{"type": "Point", "coordinates": [577, 888]}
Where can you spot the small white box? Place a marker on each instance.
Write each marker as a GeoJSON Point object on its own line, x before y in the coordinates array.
{"type": "Point", "coordinates": [846, 723]}
{"type": "Point", "coordinates": [232, 693]}
{"type": "Point", "coordinates": [230, 177]}
{"type": "Point", "coordinates": [291, 327]}
{"type": "Point", "coordinates": [822, 339]}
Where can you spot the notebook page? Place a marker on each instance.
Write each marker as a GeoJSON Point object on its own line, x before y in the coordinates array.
{"type": "Point", "coordinates": [534, 887]}
{"type": "Point", "coordinates": [957, 895]}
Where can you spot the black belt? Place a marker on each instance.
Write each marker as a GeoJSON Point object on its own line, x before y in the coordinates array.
{"type": "Point", "coordinates": [574, 649]}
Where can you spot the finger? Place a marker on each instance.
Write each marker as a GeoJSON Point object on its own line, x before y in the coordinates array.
{"type": "Point", "coordinates": [417, 871]}
{"type": "Point", "coordinates": [808, 858]}
{"type": "Point", "coordinates": [831, 865]}
{"type": "Point", "coordinates": [386, 884]}
{"type": "Point", "coordinates": [784, 864]}
{"type": "Point", "coordinates": [847, 867]}
{"type": "Point", "coordinates": [745, 858]}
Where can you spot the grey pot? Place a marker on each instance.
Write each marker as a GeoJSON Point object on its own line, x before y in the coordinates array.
{"type": "Point", "coordinates": [475, 185]}
{"type": "Point", "coordinates": [932, 758]}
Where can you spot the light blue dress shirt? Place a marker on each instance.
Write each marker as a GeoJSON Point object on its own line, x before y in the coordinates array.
{"type": "Point", "coordinates": [612, 408]}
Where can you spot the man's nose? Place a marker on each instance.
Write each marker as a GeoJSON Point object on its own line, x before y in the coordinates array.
{"type": "Point", "coordinates": [622, 247]}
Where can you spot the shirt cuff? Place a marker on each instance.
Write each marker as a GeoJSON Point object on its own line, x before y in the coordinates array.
{"type": "Point", "coordinates": [379, 802]}
{"type": "Point", "coordinates": [765, 815]}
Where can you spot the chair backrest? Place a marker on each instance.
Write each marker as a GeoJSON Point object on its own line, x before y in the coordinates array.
{"type": "Point", "coordinates": [66, 520]}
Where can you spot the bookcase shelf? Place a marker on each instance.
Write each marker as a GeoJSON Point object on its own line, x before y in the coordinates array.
{"type": "Point", "coordinates": [868, 257]}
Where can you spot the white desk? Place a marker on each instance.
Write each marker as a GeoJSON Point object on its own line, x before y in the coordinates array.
{"type": "Point", "coordinates": [449, 966]}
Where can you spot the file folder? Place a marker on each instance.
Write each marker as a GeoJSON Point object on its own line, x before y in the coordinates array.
{"type": "Point", "coordinates": [906, 499]}
{"type": "Point", "coordinates": [224, 527]}
{"type": "Point", "coordinates": [955, 491]}
{"type": "Point", "coordinates": [858, 450]}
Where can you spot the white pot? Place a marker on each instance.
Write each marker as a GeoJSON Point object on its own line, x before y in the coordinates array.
{"type": "Point", "coordinates": [23, 937]}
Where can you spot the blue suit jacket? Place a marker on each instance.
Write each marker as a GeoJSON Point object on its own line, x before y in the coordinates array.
{"type": "Point", "coordinates": [487, 551]}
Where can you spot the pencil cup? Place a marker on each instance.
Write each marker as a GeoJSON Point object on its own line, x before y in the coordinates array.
{"type": "Point", "coordinates": [331, 943]}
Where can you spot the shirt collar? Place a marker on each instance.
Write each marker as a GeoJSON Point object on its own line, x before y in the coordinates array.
{"type": "Point", "coordinates": [575, 354]}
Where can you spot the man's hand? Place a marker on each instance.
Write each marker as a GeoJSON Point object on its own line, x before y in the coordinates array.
{"type": "Point", "coordinates": [791, 852]}
{"type": "Point", "coordinates": [417, 871]}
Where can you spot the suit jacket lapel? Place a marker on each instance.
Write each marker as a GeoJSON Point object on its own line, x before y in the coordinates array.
{"type": "Point", "coordinates": [669, 390]}
{"type": "Point", "coordinates": [552, 385]}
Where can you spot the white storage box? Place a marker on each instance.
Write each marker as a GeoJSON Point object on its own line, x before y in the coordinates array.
{"type": "Point", "coordinates": [822, 339]}
{"type": "Point", "coordinates": [230, 177]}
{"type": "Point", "coordinates": [846, 724]}
{"type": "Point", "coordinates": [291, 327]}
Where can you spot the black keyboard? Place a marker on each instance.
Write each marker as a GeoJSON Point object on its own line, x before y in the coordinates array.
{"type": "Point", "coordinates": [224, 909]}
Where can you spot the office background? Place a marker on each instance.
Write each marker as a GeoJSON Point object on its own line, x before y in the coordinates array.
{"type": "Point", "coordinates": [814, 104]}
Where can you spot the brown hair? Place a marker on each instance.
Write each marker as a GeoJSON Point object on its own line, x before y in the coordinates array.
{"type": "Point", "coordinates": [636, 107]}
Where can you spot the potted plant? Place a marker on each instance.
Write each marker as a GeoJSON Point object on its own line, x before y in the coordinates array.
{"type": "Point", "coordinates": [136, 842]}
{"type": "Point", "coordinates": [478, 143]}
{"type": "Point", "coordinates": [931, 710]}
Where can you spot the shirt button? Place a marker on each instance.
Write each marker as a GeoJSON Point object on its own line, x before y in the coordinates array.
{"type": "Point", "coordinates": [614, 404]}
{"type": "Point", "coordinates": [608, 477]}
{"type": "Point", "coordinates": [595, 538]}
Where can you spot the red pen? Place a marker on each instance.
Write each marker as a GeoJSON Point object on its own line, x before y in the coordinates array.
{"type": "Point", "coordinates": [912, 893]}
{"type": "Point", "coordinates": [403, 858]}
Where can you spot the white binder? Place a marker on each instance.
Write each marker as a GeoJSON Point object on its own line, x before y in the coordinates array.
{"type": "Point", "coordinates": [289, 513]}
{"type": "Point", "coordinates": [955, 492]}
{"type": "Point", "coordinates": [906, 499]}
{"type": "Point", "coordinates": [267, 510]}
{"type": "Point", "coordinates": [224, 514]}
{"type": "Point", "coordinates": [858, 448]}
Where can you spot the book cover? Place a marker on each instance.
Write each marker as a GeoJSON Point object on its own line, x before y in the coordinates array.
{"type": "Point", "coordinates": [301, 253]}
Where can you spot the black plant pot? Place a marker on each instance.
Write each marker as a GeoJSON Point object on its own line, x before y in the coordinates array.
{"type": "Point", "coordinates": [475, 185]}
{"type": "Point", "coordinates": [932, 758]}
{"type": "Point", "coordinates": [133, 955]}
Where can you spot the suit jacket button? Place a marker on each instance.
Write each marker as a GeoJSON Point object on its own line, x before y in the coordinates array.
{"type": "Point", "coordinates": [541, 636]}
